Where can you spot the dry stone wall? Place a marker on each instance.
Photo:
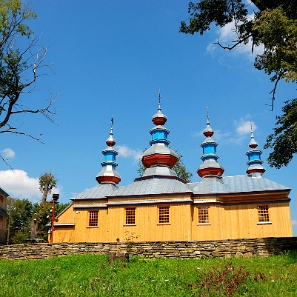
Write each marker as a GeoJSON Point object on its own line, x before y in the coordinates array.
{"type": "Point", "coordinates": [181, 249]}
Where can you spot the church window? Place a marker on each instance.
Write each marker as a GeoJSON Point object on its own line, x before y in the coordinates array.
{"type": "Point", "coordinates": [93, 218]}
{"type": "Point", "coordinates": [130, 216]}
{"type": "Point", "coordinates": [263, 215]}
{"type": "Point", "coordinates": [163, 214]}
{"type": "Point", "coordinates": [203, 215]}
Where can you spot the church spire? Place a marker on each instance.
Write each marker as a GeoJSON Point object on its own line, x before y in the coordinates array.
{"type": "Point", "coordinates": [108, 174]}
{"type": "Point", "coordinates": [255, 168]}
{"type": "Point", "coordinates": [159, 158]}
{"type": "Point", "coordinates": [210, 167]}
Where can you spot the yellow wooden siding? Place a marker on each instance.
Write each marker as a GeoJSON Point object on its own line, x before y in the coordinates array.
{"type": "Point", "coordinates": [146, 226]}
{"type": "Point", "coordinates": [81, 232]}
{"type": "Point", "coordinates": [225, 222]}
{"type": "Point", "coordinates": [233, 222]}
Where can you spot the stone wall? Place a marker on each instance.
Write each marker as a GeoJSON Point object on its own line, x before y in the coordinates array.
{"type": "Point", "coordinates": [182, 249]}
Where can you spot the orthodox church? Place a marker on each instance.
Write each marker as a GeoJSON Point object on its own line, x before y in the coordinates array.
{"type": "Point", "coordinates": [160, 206]}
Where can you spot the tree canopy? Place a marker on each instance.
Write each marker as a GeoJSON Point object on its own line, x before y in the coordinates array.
{"type": "Point", "coordinates": [21, 61]}
{"type": "Point", "coordinates": [47, 182]}
{"type": "Point", "coordinates": [273, 25]}
{"type": "Point", "coordinates": [21, 213]}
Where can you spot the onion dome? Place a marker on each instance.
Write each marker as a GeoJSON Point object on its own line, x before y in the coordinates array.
{"type": "Point", "coordinates": [210, 167]}
{"type": "Point", "coordinates": [159, 118]}
{"type": "Point", "coordinates": [255, 168]}
{"type": "Point", "coordinates": [108, 174]}
{"type": "Point", "coordinates": [159, 158]}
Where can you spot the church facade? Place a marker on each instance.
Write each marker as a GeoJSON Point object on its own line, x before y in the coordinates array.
{"type": "Point", "coordinates": [159, 206]}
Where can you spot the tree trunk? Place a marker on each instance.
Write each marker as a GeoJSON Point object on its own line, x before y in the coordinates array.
{"type": "Point", "coordinates": [44, 195]}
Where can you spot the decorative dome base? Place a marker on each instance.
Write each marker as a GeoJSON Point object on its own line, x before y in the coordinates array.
{"type": "Point", "coordinates": [160, 159]}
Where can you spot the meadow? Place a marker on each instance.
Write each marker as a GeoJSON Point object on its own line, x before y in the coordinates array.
{"type": "Point", "coordinates": [92, 275]}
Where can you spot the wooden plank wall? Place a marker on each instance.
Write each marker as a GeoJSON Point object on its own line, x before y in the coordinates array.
{"type": "Point", "coordinates": [228, 222]}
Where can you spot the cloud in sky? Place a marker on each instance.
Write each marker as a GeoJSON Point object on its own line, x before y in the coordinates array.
{"type": "Point", "coordinates": [243, 126]}
{"type": "Point", "coordinates": [242, 129]}
{"type": "Point", "coordinates": [227, 36]}
{"type": "Point", "coordinates": [7, 153]}
{"type": "Point", "coordinates": [127, 152]}
{"type": "Point", "coordinates": [19, 185]}
{"type": "Point", "coordinates": [294, 222]}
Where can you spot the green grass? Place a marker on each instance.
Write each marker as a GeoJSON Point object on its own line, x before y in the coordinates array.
{"type": "Point", "coordinates": [92, 275]}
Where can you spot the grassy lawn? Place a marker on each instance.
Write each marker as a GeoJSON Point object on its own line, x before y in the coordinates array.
{"type": "Point", "coordinates": [92, 275]}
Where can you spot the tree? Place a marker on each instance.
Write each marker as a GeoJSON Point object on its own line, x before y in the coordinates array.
{"type": "Point", "coordinates": [47, 182]}
{"type": "Point", "coordinates": [275, 26]}
{"type": "Point", "coordinates": [20, 213]}
{"type": "Point", "coordinates": [179, 168]}
{"type": "Point", "coordinates": [21, 61]}
{"type": "Point", "coordinates": [284, 138]}
{"type": "Point", "coordinates": [43, 216]}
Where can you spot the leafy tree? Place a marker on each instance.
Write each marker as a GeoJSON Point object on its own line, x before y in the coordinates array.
{"type": "Point", "coordinates": [179, 168]}
{"type": "Point", "coordinates": [21, 61]}
{"type": "Point", "coordinates": [44, 213]}
{"type": "Point", "coordinates": [20, 213]}
{"type": "Point", "coordinates": [284, 138]}
{"type": "Point", "coordinates": [274, 25]}
{"type": "Point", "coordinates": [47, 182]}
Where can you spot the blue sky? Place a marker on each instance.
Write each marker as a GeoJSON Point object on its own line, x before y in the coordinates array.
{"type": "Point", "coordinates": [109, 59]}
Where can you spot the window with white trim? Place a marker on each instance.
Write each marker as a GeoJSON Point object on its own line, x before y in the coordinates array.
{"type": "Point", "coordinates": [263, 215]}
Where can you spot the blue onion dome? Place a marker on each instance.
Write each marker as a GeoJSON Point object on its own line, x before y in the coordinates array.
{"type": "Point", "coordinates": [108, 174]}
{"type": "Point", "coordinates": [255, 168]}
{"type": "Point", "coordinates": [159, 158]}
{"type": "Point", "coordinates": [210, 167]}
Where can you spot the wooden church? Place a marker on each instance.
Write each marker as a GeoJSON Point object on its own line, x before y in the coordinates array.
{"type": "Point", "coordinates": [159, 206]}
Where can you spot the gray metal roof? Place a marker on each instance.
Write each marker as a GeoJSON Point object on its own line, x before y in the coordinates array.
{"type": "Point", "coordinates": [153, 186]}
{"type": "Point", "coordinates": [158, 185]}
{"type": "Point", "coordinates": [160, 148]}
{"type": "Point", "coordinates": [100, 191]}
{"type": "Point", "coordinates": [89, 206]}
{"type": "Point", "coordinates": [3, 192]}
{"type": "Point", "coordinates": [149, 201]}
{"type": "Point", "coordinates": [3, 213]}
{"type": "Point", "coordinates": [159, 170]}
{"type": "Point", "coordinates": [235, 184]}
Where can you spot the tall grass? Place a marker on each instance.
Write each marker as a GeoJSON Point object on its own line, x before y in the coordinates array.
{"type": "Point", "coordinates": [92, 275]}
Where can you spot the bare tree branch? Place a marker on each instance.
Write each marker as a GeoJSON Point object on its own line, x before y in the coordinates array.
{"type": "Point", "coordinates": [20, 68]}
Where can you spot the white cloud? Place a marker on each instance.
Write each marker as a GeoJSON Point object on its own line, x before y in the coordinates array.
{"type": "Point", "coordinates": [19, 185]}
{"type": "Point", "coordinates": [294, 222]}
{"type": "Point", "coordinates": [244, 127]}
{"type": "Point", "coordinates": [7, 153]}
{"type": "Point", "coordinates": [227, 36]}
{"type": "Point", "coordinates": [127, 152]}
